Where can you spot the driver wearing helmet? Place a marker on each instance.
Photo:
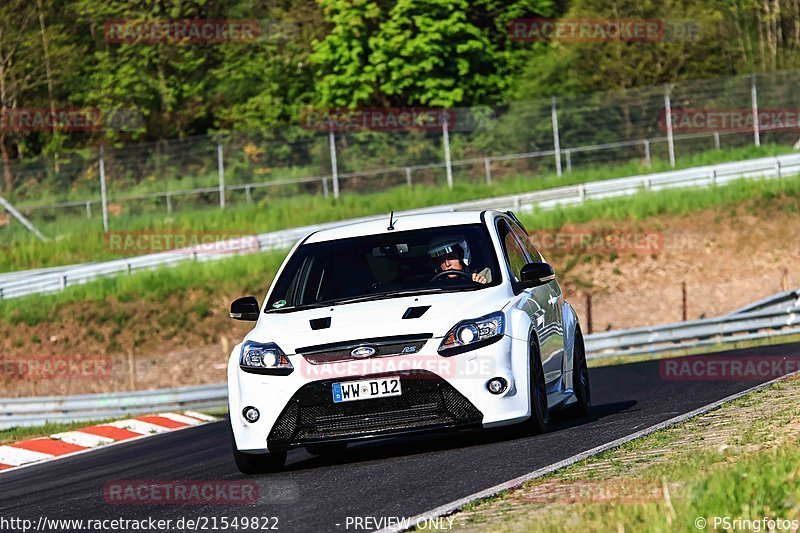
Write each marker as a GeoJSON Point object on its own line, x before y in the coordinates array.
{"type": "Point", "coordinates": [450, 257]}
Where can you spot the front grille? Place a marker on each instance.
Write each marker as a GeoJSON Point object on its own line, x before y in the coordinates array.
{"type": "Point", "coordinates": [427, 402]}
{"type": "Point", "coordinates": [384, 347]}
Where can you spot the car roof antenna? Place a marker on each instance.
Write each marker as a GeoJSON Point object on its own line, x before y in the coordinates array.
{"type": "Point", "coordinates": [391, 221]}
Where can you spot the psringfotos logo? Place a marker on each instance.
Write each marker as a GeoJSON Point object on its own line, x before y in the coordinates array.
{"type": "Point", "coordinates": [179, 241]}
{"type": "Point", "coordinates": [193, 492]}
{"type": "Point", "coordinates": [45, 367]}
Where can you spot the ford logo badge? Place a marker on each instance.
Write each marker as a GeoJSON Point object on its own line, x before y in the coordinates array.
{"type": "Point", "coordinates": [363, 352]}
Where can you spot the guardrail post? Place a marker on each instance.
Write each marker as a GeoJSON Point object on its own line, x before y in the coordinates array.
{"type": "Point", "coordinates": [713, 176]}
{"type": "Point", "coordinates": [221, 171]}
{"type": "Point", "coordinates": [582, 192]}
{"type": "Point", "coordinates": [1, 293]}
{"type": "Point", "coordinates": [716, 140]}
{"type": "Point", "coordinates": [556, 140]}
{"type": "Point", "coordinates": [104, 200]}
{"type": "Point", "coordinates": [647, 160]}
{"type": "Point", "coordinates": [754, 98]}
{"type": "Point", "coordinates": [646, 183]}
{"type": "Point", "coordinates": [128, 267]}
{"type": "Point", "coordinates": [487, 163]}
{"type": "Point", "coordinates": [62, 281]}
{"type": "Point", "coordinates": [670, 136]}
{"type": "Point", "coordinates": [408, 177]}
{"type": "Point", "coordinates": [447, 162]}
{"type": "Point", "coordinates": [568, 153]}
{"type": "Point", "coordinates": [334, 164]}
{"type": "Point", "coordinates": [778, 172]}
{"type": "Point", "coordinates": [517, 203]}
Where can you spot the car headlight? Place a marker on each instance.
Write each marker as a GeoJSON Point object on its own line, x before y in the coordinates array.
{"type": "Point", "coordinates": [471, 334]}
{"type": "Point", "coordinates": [264, 358]}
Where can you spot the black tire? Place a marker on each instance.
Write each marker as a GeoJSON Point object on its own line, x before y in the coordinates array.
{"type": "Point", "coordinates": [580, 377]}
{"type": "Point", "coordinates": [251, 464]}
{"type": "Point", "coordinates": [327, 449]}
{"type": "Point", "coordinates": [540, 411]}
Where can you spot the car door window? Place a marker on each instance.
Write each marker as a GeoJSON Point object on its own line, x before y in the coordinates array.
{"type": "Point", "coordinates": [515, 252]}
{"type": "Point", "coordinates": [527, 243]}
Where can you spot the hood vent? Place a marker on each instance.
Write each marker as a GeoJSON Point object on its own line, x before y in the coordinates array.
{"type": "Point", "coordinates": [320, 323]}
{"type": "Point", "coordinates": [415, 312]}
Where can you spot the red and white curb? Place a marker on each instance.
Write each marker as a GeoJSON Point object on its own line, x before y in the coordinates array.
{"type": "Point", "coordinates": [80, 440]}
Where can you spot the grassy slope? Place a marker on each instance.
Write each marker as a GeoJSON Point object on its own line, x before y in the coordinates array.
{"type": "Point", "coordinates": [79, 240]}
{"type": "Point", "coordinates": [253, 273]}
{"type": "Point", "coordinates": [739, 461]}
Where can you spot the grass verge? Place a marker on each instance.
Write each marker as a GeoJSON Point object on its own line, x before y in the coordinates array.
{"type": "Point", "coordinates": [739, 461]}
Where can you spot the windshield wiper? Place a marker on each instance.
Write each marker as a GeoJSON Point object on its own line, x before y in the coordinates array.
{"type": "Point", "coordinates": [381, 295]}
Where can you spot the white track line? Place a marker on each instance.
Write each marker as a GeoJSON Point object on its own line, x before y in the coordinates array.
{"type": "Point", "coordinates": [454, 506]}
{"type": "Point", "coordinates": [200, 416]}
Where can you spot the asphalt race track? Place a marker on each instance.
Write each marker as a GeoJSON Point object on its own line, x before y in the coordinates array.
{"type": "Point", "coordinates": [392, 478]}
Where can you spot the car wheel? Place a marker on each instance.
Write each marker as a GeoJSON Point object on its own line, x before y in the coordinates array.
{"type": "Point", "coordinates": [540, 411]}
{"type": "Point", "coordinates": [327, 449]}
{"type": "Point", "coordinates": [250, 464]}
{"type": "Point", "coordinates": [580, 377]}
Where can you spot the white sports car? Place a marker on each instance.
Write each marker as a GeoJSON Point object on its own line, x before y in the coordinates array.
{"type": "Point", "coordinates": [434, 322]}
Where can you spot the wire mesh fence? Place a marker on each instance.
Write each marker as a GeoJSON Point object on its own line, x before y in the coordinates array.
{"type": "Point", "coordinates": [528, 139]}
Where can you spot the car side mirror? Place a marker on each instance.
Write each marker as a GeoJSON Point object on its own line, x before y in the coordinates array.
{"type": "Point", "coordinates": [535, 274]}
{"type": "Point", "coordinates": [245, 309]}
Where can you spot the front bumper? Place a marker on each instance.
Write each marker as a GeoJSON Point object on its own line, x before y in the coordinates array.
{"type": "Point", "coordinates": [298, 409]}
{"type": "Point", "coordinates": [428, 403]}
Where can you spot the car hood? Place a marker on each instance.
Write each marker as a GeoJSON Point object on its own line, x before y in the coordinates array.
{"type": "Point", "coordinates": [379, 318]}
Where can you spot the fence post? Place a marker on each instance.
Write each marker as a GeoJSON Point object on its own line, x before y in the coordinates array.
{"type": "Point", "coordinates": [89, 210]}
{"type": "Point", "coordinates": [446, 141]}
{"type": "Point", "coordinates": [568, 153]}
{"type": "Point", "coordinates": [647, 159]}
{"type": "Point", "coordinates": [334, 164]}
{"type": "Point", "coordinates": [670, 136]}
{"type": "Point", "coordinates": [754, 98]}
{"type": "Point", "coordinates": [247, 195]}
{"type": "Point", "coordinates": [325, 186]}
{"type": "Point", "coordinates": [408, 176]}
{"type": "Point", "coordinates": [588, 313]}
{"type": "Point", "coordinates": [716, 140]}
{"type": "Point", "coordinates": [169, 203]}
{"type": "Point", "coordinates": [556, 140]}
{"type": "Point", "coordinates": [488, 164]}
{"type": "Point", "coordinates": [685, 313]}
{"type": "Point", "coordinates": [221, 171]}
{"type": "Point", "coordinates": [103, 199]}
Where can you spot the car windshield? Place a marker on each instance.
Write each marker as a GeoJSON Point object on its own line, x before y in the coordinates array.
{"type": "Point", "coordinates": [452, 258]}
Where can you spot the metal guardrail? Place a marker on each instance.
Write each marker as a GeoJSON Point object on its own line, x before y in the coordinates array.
{"type": "Point", "coordinates": [773, 314]}
{"type": "Point", "coordinates": [705, 176]}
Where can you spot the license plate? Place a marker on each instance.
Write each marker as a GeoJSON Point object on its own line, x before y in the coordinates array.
{"type": "Point", "coordinates": [366, 389]}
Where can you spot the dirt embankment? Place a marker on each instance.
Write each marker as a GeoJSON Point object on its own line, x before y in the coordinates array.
{"type": "Point", "coordinates": [634, 272]}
